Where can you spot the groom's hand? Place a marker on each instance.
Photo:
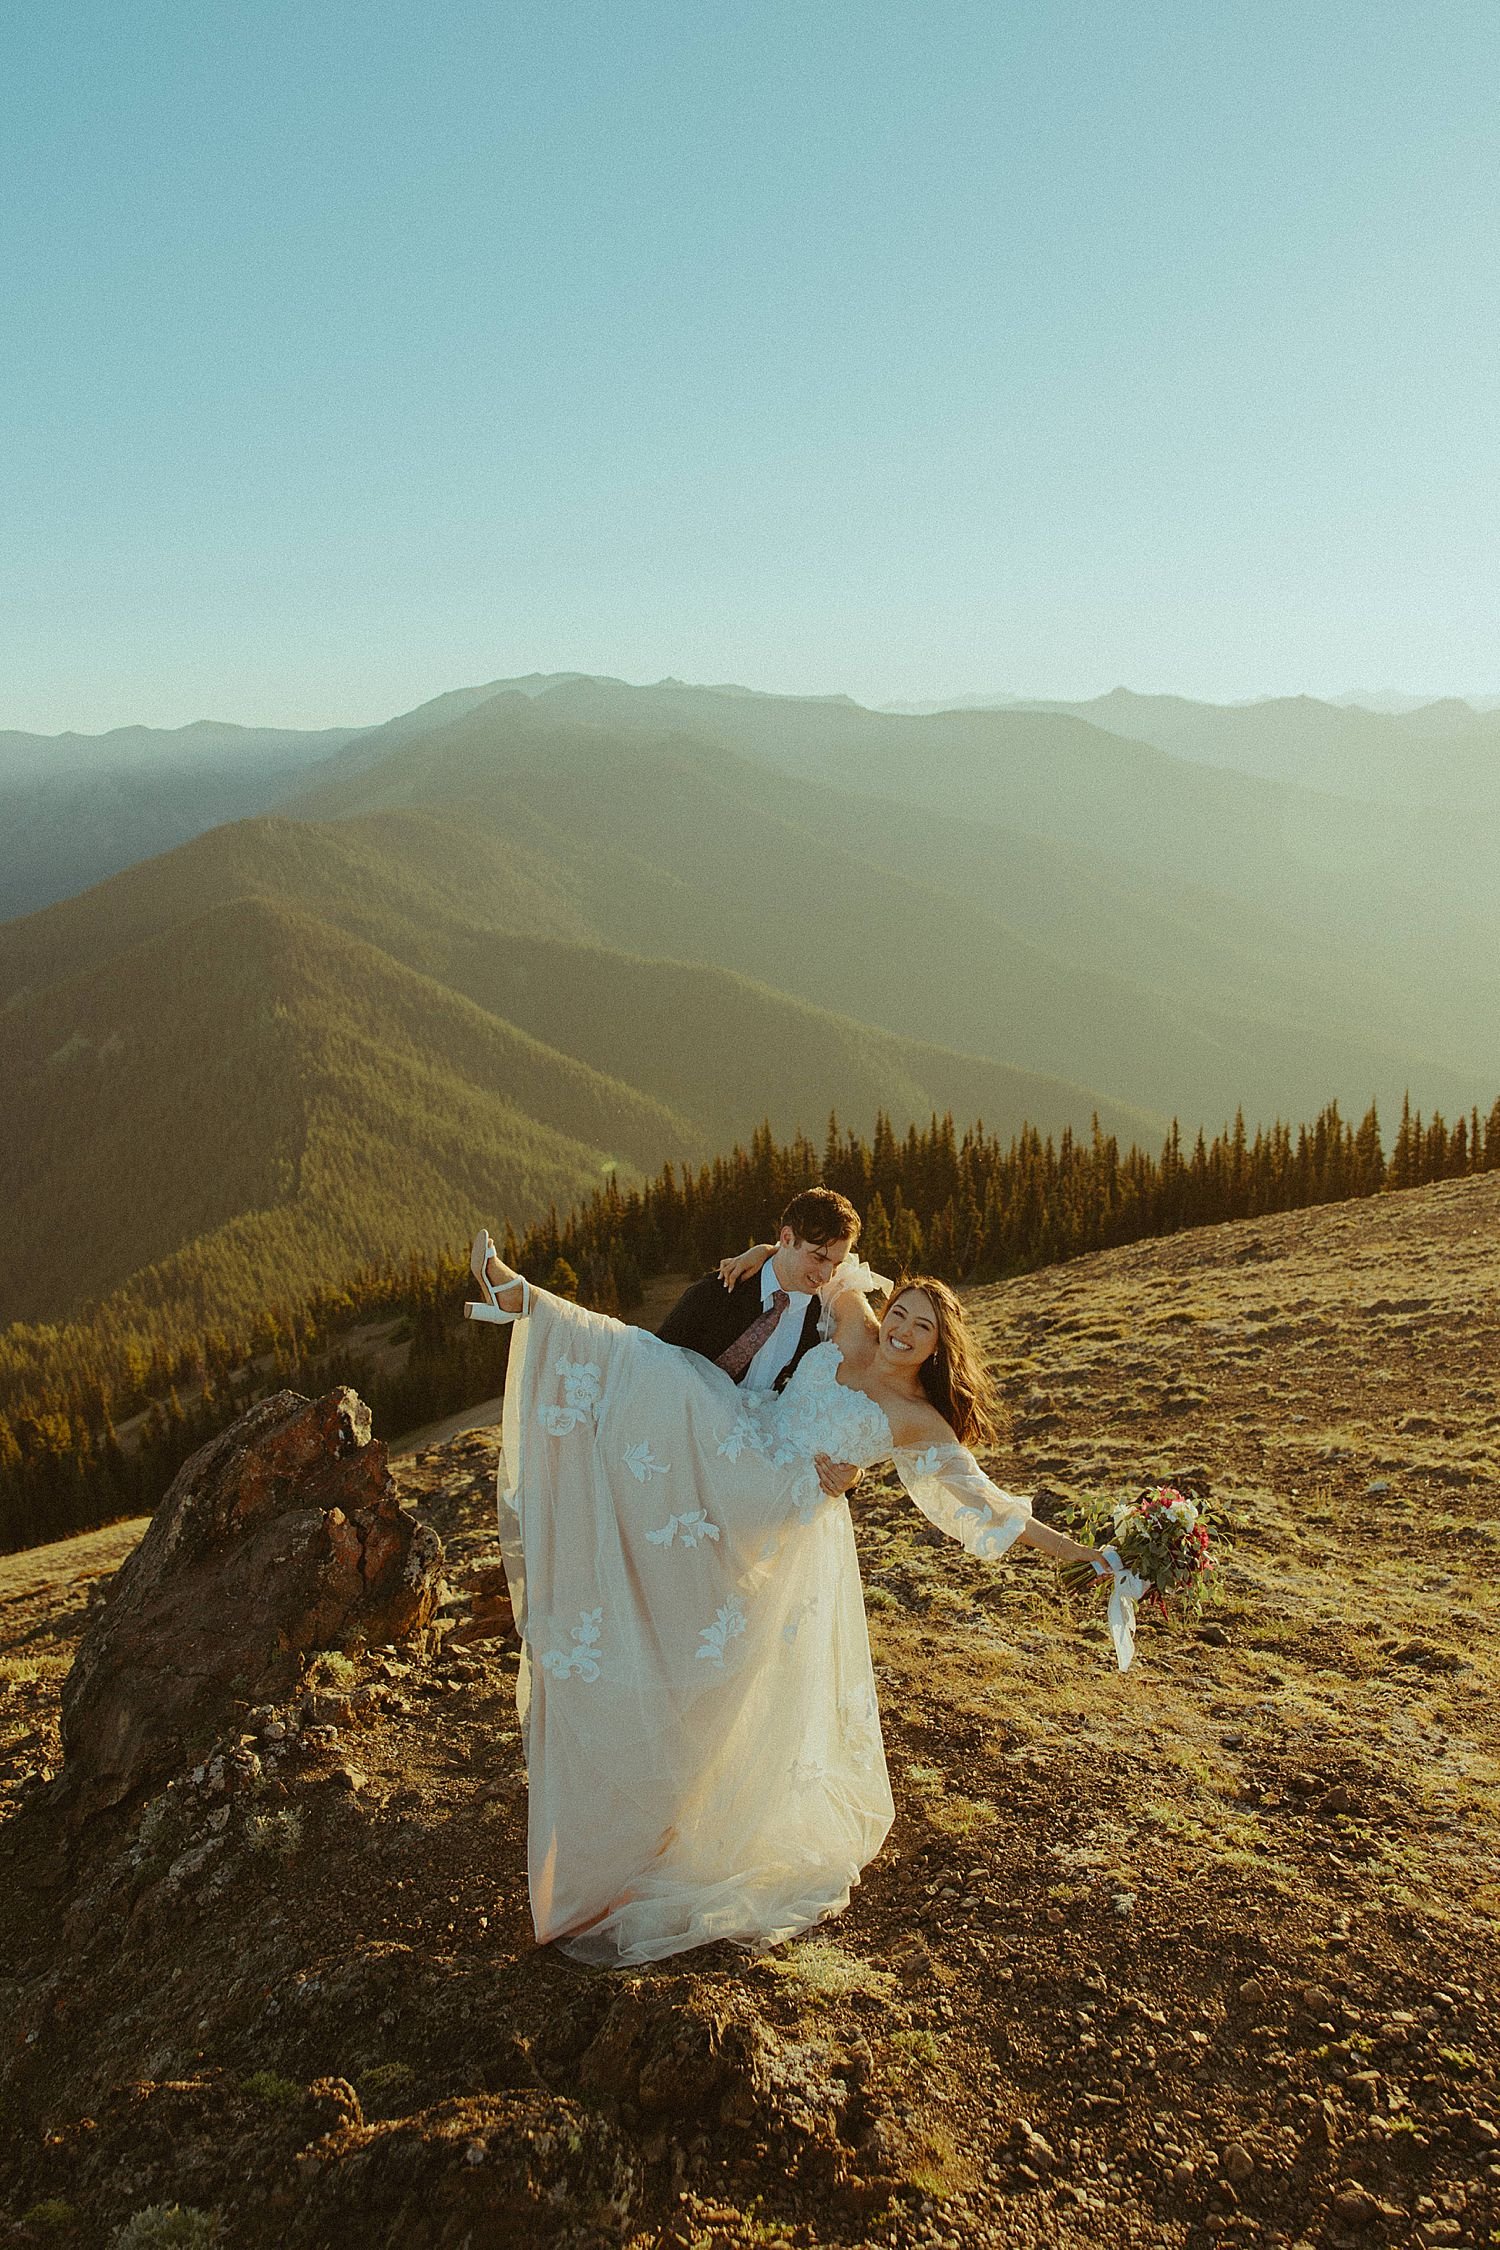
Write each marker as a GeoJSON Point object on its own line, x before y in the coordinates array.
{"type": "Point", "coordinates": [836, 1477]}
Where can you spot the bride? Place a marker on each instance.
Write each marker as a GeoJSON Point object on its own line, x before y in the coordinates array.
{"type": "Point", "coordinates": [696, 1695]}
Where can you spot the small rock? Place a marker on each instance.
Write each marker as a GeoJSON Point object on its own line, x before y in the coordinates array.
{"type": "Point", "coordinates": [1355, 2205]}
{"type": "Point", "coordinates": [347, 1777]}
{"type": "Point", "coordinates": [193, 1861]}
{"type": "Point", "coordinates": [475, 2153]}
{"type": "Point", "coordinates": [1376, 1486]}
{"type": "Point", "coordinates": [1237, 2163]}
{"type": "Point", "coordinates": [1254, 1993]}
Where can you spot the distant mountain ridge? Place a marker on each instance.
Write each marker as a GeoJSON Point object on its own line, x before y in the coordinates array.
{"type": "Point", "coordinates": [536, 931]}
{"type": "Point", "coordinates": [346, 1067]}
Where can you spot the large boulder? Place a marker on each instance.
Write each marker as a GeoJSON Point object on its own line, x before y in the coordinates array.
{"type": "Point", "coordinates": [282, 1535]}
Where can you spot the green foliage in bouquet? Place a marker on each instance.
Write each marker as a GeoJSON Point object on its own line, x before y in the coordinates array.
{"type": "Point", "coordinates": [1162, 1536]}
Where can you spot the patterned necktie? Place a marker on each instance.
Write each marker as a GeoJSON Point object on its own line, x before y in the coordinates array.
{"type": "Point", "coordinates": [737, 1358]}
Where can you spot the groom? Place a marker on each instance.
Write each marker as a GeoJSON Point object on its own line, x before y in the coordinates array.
{"type": "Point", "coordinates": [760, 1330]}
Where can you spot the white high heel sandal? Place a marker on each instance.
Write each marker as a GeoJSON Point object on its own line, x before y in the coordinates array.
{"type": "Point", "coordinates": [492, 1309]}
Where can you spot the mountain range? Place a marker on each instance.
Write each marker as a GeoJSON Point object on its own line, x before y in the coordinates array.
{"type": "Point", "coordinates": [544, 931]}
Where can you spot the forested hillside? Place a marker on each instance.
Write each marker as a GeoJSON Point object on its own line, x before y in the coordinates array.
{"type": "Point", "coordinates": [75, 808]}
{"type": "Point", "coordinates": [95, 1415]}
{"type": "Point", "coordinates": [286, 1051]}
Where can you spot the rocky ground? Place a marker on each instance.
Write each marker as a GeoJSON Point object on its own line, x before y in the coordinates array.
{"type": "Point", "coordinates": [1203, 1954]}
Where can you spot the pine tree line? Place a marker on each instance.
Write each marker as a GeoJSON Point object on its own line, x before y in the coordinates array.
{"type": "Point", "coordinates": [96, 1416]}
{"type": "Point", "coordinates": [971, 1210]}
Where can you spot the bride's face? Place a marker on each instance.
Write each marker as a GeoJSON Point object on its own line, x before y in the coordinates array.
{"type": "Point", "coordinates": [909, 1331]}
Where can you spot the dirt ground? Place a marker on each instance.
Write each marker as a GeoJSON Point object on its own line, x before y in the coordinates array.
{"type": "Point", "coordinates": [1206, 1953]}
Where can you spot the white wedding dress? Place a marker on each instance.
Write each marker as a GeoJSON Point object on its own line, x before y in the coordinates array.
{"type": "Point", "coordinates": [696, 1696]}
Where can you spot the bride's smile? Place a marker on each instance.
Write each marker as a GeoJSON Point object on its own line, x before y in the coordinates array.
{"type": "Point", "coordinates": [908, 1335]}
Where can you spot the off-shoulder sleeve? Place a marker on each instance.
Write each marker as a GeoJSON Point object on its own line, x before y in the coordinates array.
{"type": "Point", "coordinates": [952, 1490]}
{"type": "Point", "coordinates": [853, 1274]}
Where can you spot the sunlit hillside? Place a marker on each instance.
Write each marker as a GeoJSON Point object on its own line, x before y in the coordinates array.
{"type": "Point", "coordinates": [286, 1051]}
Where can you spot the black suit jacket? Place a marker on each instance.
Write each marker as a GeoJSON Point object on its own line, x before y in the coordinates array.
{"type": "Point", "coordinates": [708, 1317]}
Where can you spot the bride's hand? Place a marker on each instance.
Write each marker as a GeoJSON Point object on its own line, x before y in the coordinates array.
{"type": "Point", "coordinates": [732, 1271]}
{"type": "Point", "coordinates": [836, 1477]}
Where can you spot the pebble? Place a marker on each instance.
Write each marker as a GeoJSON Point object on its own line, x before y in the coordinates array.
{"type": "Point", "coordinates": [1237, 2163]}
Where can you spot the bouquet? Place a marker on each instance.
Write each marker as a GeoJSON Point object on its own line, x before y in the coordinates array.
{"type": "Point", "coordinates": [1159, 1553]}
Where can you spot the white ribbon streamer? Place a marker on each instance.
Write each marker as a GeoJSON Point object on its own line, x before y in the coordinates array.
{"type": "Point", "coordinates": [1125, 1592]}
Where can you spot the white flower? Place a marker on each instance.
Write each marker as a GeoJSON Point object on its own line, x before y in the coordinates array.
{"type": "Point", "coordinates": [693, 1527]}
{"type": "Point", "coordinates": [716, 1637]}
{"type": "Point", "coordinates": [641, 1465]}
{"type": "Point", "coordinates": [1183, 1512]}
{"type": "Point", "coordinates": [582, 1657]}
{"type": "Point", "coordinates": [582, 1384]}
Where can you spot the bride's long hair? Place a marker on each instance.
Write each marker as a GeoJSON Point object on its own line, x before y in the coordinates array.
{"type": "Point", "coordinates": [953, 1376]}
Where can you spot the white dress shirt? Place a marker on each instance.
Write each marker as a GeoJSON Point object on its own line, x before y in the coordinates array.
{"type": "Point", "coordinates": [784, 1338]}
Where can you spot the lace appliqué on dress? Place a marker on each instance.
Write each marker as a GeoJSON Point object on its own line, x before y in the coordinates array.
{"type": "Point", "coordinates": [816, 1413]}
{"type": "Point", "coordinates": [642, 1464]}
{"type": "Point", "coordinates": [798, 1617]}
{"type": "Point", "coordinates": [953, 1492]}
{"type": "Point", "coordinates": [583, 1656]}
{"type": "Point", "coordinates": [692, 1529]}
{"type": "Point", "coordinates": [859, 1726]}
{"type": "Point", "coordinates": [757, 1429]}
{"type": "Point", "coordinates": [729, 1623]}
{"type": "Point", "coordinates": [583, 1387]}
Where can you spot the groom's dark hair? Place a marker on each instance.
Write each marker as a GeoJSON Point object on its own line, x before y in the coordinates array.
{"type": "Point", "coordinates": [821, 1215]}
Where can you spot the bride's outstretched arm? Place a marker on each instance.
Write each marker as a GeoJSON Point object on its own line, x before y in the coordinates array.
{"type": "Point", "coordinates": [732, 1271]}
{"type": "Point", "coordinates": [1058, 1544]}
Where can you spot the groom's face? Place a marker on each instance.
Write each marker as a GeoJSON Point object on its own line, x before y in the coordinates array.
{"type": "Point", "coordinates": [807, 1265]}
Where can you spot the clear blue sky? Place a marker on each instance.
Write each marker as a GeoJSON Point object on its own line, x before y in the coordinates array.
{"type": "Point", "coordinates": [355, 352]}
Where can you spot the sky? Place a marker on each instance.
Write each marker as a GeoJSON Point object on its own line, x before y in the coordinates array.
{"type": "Point", "coordinates": [354, 352]}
